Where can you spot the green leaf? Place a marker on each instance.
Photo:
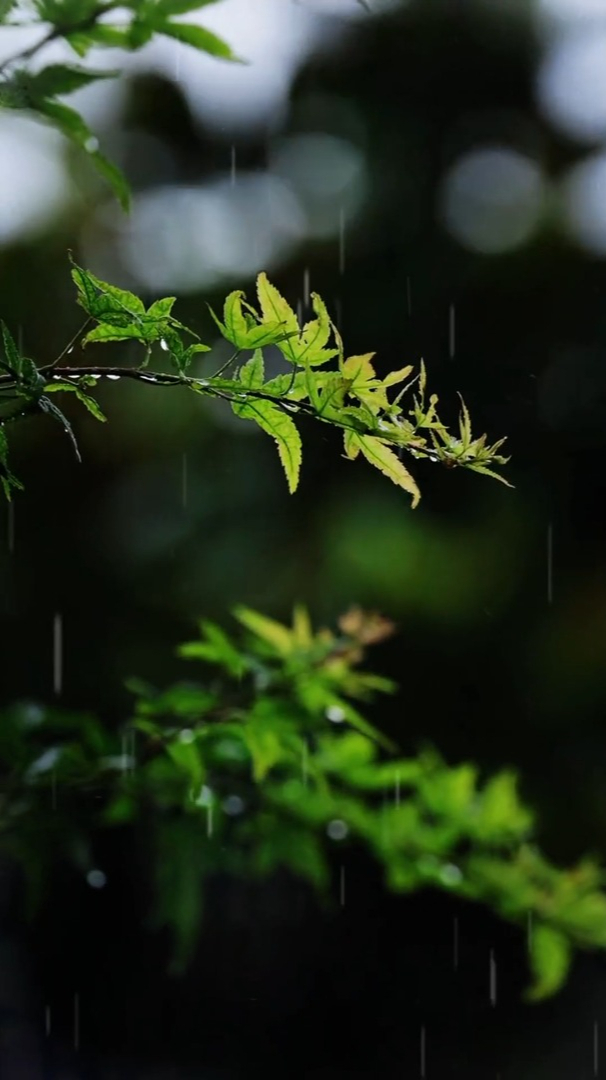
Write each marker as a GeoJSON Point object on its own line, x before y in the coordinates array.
{"type": "Point", "coordinates": [63, 79]}
{"type": "Point", "coordinates": [161, 309]}
{"type": "Point", "coordinates": [500, 813]}
{"type": "Point", "coordinates": [282, 429]}
{"type": "Point", "coordinates": [252, 373]}
{"type": "Point", "coordinates": [71, 124]}
{"type": "Point", "coordinates": [104, 302]}
{"type": "Point", "coordinates": [90, 404]}
{"type": "Point", "coordinates": [49, 407]}
{"type": "Point", "coordinates": [112, 37]}
{"type": "Point", "coordinates": [87, 401]}
{"type": "Point", "coordinates": [387, 462]}
{"type": "Point", "coordinates": [7, 478]}
{"type": "Point", "coordinates": [105, 332]}
{"type": "Point", "coordinates": [6, 7]}
{"type": "Point", "coordinates": [11, 352]}
{"type": "Point", "coordinates": [180, 7]}
{"type": "Point", "coordinates": [550, 956]}
{"type": "Point", "coordinates": [215, 648]}
{"type": "Point", "coordinates": [199, 37]}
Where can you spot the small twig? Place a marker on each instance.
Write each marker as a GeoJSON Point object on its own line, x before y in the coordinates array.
{"type": "Point", "coordinates": [68, 347]}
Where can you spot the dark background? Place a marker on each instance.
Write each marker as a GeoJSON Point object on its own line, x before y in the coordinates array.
{"type": "Point", "coordinates": [500, 660]}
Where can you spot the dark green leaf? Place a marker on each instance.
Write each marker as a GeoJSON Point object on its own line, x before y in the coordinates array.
{"type": "Point", "coordinates": [63, 79]}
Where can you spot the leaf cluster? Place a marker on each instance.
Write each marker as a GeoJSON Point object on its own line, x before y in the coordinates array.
{"type": "Point", "coordinates": [272, 765]}
{"type": "Point", "coordinates": [86, 25]}
{"type": "Point", "coordinates": [320, 380]}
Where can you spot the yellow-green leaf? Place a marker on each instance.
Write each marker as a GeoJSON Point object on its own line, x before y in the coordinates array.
{"type": "Point", "coordinates": [274, 633]}
{"type": "Point", "coordinates": [309, 348]}
{"type": "Point", "coordinates": [422, 381]}
{"type": "Point", "coordinates": [359, 368]}
{"type": "Point", "coordinates": [395, 377]}
{"type": "Point", "coordinates": [378, 454]}
{"type": "Point", "coordinates": [282, 429]}
{"type": "Point", "coordinates": [275, 307]}
{"type": "Point", "coordinates": [301, 628]}
{"type": "Point", "coordinates": [352, 446]}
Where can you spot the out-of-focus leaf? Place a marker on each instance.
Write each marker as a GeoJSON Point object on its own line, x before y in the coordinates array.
{"type": "Point", "coordinates": [550, 956]}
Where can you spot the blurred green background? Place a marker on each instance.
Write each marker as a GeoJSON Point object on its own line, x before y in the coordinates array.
{"type": "Point", "coordinates": [437, 172]}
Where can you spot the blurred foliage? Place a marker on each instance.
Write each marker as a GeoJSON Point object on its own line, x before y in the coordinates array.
{"type": "Point", "coordinates": [271, 764]}
{"type": "Point", "coordinates": [370, 426]}
{"type": "Point", "coordinates": [79, 23]}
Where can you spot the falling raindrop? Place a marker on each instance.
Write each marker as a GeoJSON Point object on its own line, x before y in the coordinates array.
{"type": "Point", "coordinates": [233, 166]}
{"type": "Point", "coordinates": [550, 563]}
{"type": "Point", "coordinates": [306, 286]}
{"type": "Point", "coordinates": [337, 830]}
{"type": "Point", "coordinates": [493, 979]}
{"type": "Point", "coordinates": [57, 654]}
{"type": "Point", "coordinates": [91, 145]}
{"type": "Point", "coordinates": [397, 789]}
{"type": "Point", "coordinates": [451, 331]}
{"type": "Point", "coordinates": [96, 879]}
{"type": "Point", "coordinates": [300, 312]}
{"type": "Point", "coordinates": [341, 241]}
{"type": "Point", "coordinates": [178, 65]}
{"type": "Point", "coordinates": [184, 481]}
{"type": "Point", "coordinates": [422, 1051]}
{"type": "Point", "coordinates": [11, 528]}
